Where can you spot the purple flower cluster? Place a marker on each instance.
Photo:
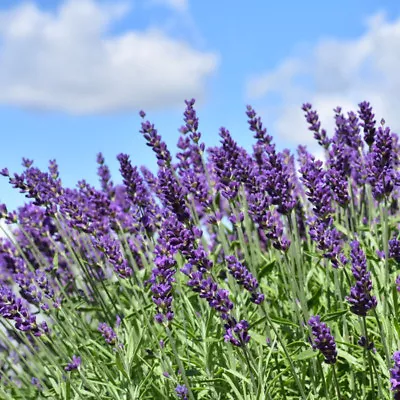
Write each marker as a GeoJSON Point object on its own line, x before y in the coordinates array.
{"type": "Point", "coordinates": [315, 126]}
{"type": "Point", "coordinates": [395, 374]}
{"type": "Point", "coordinates": [360, 298]}
{"type": "Point", "coordinates": [394, 249]}
{"type": "Point", "coordinates": [144, 208]}
{"type": "Point", "coordinates": [111, 248]}
{"type": "Point", "coordinates": [14, 308]}
{"type": "Point", "coordinates": [237, 332]}
{"type": "Point", "coordinates": [230, 165]}
{"type": "Point", "coordinates": [104, 174]}
{"type": "Point", "coordinates": [154, 141]}
{"type": "Point", "coordinates": [273, 171]}
{"type": "Point", "coordinates": [381, 161]}
{"type": "Point", "coordinates": [182, 392]}
{"type": "Point", "coordinates": [108, 333]}
{"type": "Point", "coordinates": [368, 124]}
{"type": "Point", "coordinates": [244, 278]}
{"type": "Point", "coordinates": [74, 364]}
{"type": "Point", "coordinates": [321, 227]}
{"type": "Point", "coordinates": [188, 220]}
{"type": "Point", "coordinates": [323, 339]}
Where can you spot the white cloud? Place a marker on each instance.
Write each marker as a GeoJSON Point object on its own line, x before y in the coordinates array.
{"type": "Point", "coordinates": [67, 61]}
{"type": "Point", "coordinates": [334, 73]}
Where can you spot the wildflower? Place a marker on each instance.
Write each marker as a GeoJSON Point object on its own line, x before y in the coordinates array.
{"type": "Point", "coordinates": [108, 333]}
{"type": "Point", "coordinates": [182, 392]}
{"type": "Point", "coordinates": [74, 364]}
{"type": "Point", "coordinates": [104, 174]}
{"type": "Point", "coordinates": [162, 276]}
{"type": "Point", "coordinates": [154, 141]}
{"type": "Point", "coordinates": [244, 278]}
{"type": "Point", "coordinates": [360, 298]}
{"type": "Point", "coordinates": [111, 248]}
{"type": "Point", "coordinates": [394, 249]}
{"type": "Point", "coordinates": [368, 123]}
{"type": "Point", "coordinates": [323, 340]}
{"type": "Point", "coordinates": [172, 194]}
{"type": "Point", "coordinates": [380, 163]}
{"type": "Point", "coordinates": [15, 309]}
{"type": "Point", "coordinates": [237, 332]}
{"type": "Point", "coordinates": [230, 164]}
{"type": "Point", "coordinates": [395, 374]}
{"type": "Point", "coordinates": [35, 382]}
{"type": "Point", "coordinates": [315, 126]}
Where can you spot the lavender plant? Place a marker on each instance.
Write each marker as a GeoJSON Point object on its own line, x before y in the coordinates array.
{"type": "Point", "coordinates": [223, 274]}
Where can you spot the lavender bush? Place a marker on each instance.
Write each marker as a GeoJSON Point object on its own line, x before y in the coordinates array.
{"type": "Point", "coordinates": [223, 275]}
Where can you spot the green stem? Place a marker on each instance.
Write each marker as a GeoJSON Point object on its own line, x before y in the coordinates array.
{"type": "Point", "coordinates": [370, 361]}
{"type": "Point", "coordinates": [179, 362]}
{"type": "Point", "coordinates": [296, 377]}
{"type": "Point", "coordinates": [339, 396]}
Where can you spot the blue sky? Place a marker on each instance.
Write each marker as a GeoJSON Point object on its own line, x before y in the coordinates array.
{"type": "Point", "coordinates": [74, 74]}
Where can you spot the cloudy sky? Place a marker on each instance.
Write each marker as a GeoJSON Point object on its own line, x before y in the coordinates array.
{"type": "Point", "coordinates": [75, 73]}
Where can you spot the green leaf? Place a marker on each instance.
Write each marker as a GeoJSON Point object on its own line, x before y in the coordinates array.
{"type": "Point", "coordinates": [120, 365]}
{"type": "Point", "coordinates": [265, 269]}
{"type": "Point", "coordinates": [282, 321]}
{"type": "Point", "coordinates": [334, 315]}
{"type": "Point", "coordinates": [305, 355]}
{"type": "Point", "coordinates": [350, 359]}
{"type": "Point", "coordinates": [68, 390]}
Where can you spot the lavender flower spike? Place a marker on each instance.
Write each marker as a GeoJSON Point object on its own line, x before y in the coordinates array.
{"type": "Point", "coordinates": [244, 278]}
{"type": "Point", "coordinates": [360, 298]}
{"type": "Point", "coordinates": [368, 123]}
{"type": "Point", "coordinates": [182, 392]}
{"type": "Point", "coordinates": [108, 333]}
{"type": "Point", "coordinates": [323, 340]}
{"type": "Point", "coordinates": [395, 375]}
{"type": "Point", "coordinates": [74, 364]}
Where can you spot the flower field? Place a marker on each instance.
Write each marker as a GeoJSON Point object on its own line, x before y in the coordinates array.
{"type": "Point", "coordinates": [226, 274]}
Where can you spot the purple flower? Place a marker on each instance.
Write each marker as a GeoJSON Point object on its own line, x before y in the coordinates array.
{"type": "Point", "coordinates": [316, 182]}
{"type": "Point", "coordinates": [74, 364]}
{"type": "Point", "coordinates": [15, 309]}
{"type": "Point", "coordinates": [172, 194]}
{"type": "Point", "coordinates": [380, 164]}
{"type": "Point", "coordinates": [360, 298]}
{"type": "Point", "coordinates": [162, 276]}
{"type": "Point", "coordinates": [192, 122]}
{"type": "Point", "coordinates": [244, 278]}
{"type": "Point", "coordinates": [395, 374]}
{"type": "Point", "coordinates": [230, 164]}
{"type": "Point", "coordinates": [237, 332]}
{"type": "Point", "coordinates": [273, 171]}
{"type": "Point", "coordinates": [182, 392]}
{"type": "Point", "coordinates": [256, 126]}
{"type": "Point", "coordinates": [111, 249]}
{"type": "Point", "coordinates": [137, 192]}
{"type": "Point", "coordinates": [35, 382]}
{"type": "Point", "coordinates": [315, 126]}
{"type": "Point", "coordinates": [368, 124]}
{"type": "Point", "coordinates": [328, 239]}
{"type": "Point", "coordinates": [323, 340]}
{"type": "Point", "coordinates": [108, 333]}
{"type": "Point", "coordinates": [104, 174]}
{"type": "Point", "coordinates": [337, 173]}
{"type": "Point", "coordinates": [154, 141]}
{"type": "Point", "coordinates": [394, 249]}
{"type": "Point", "coordinates": [206, 287]}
